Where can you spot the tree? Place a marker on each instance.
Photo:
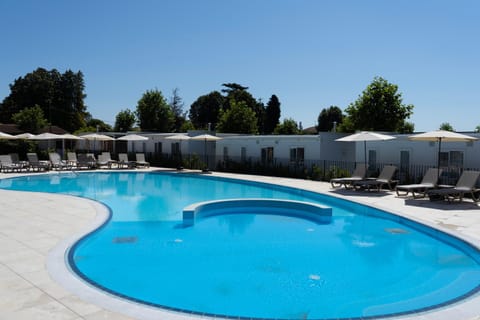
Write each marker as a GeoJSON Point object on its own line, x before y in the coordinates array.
{"type": "Point", "coordinates": [272, 115]}
{"type": "Point", "coordinates": [176, 104]}
{"type": "Point", "coordinates": [30, 119]}
{"type": "Point", "coordinates": [153, 112]}
{"type": "Point", "coordinates": [379, 108]}
{"type": "Point", "coordinates": [238, 119]}
{"type": "Point", "coordinates": [206, 109]}
{"type": "Point", "coordinates": [124, 121]}
{"type": "Point", "coordinates": [60, 96]}
{"type": "Point", "coordinates": [238, 93]}
{"type": "Point", "coordinates": [446, 126]}
{"type": "Point", "coordinates": [288, 126]}
{"type": "Point", "coordinates": [407, 127]}
{"type": "Point", "coordinates": [328, 117]}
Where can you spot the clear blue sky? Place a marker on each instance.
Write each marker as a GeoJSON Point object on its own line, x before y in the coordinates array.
{"type": "Point", "coordinates": [311, 54]}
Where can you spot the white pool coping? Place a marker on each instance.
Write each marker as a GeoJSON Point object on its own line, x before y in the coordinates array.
{"type": "Point", "coordinates": [36, 283]}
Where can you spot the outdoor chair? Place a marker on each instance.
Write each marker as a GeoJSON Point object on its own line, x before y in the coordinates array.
{"type": "Point", "coordinates": [85, 162]}
{"type": "Point", "coordinates": [466, 184]}
{"type": "Point", "coordinates": [140, 160]}
{"type": "Point", "coordinates": [102, 161]}
{"type": "Point", "coordinates": [384, 178]}
{"type": "Point", "coordinates": [37, 165]}
{"type": "Point", "coordinates": [23, 165]}
{"type": "Point", "coordinates": [123, 161]}
{"type": "Point", "coordinates": [429, 181]}
{"type": "Point", "coordinates": [72, 159]}
{"type": "Point", "coordinates": [57, 162]}
{"type": "Point", "coordinates": [7, 164]}
{"type": "Point", "coordinates": [358, 174]}
{"type": "Point", "coordinates": [106, 159]}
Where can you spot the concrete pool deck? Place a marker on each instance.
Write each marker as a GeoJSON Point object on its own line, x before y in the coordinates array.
{"type": "Point", "coordinates": [36, 227]}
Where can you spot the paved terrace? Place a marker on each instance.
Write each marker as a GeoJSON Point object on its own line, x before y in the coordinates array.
{"type": "Point", "coordinates": [35, 228]}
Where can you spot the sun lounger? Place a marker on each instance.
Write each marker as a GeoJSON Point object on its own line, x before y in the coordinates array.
{"type": "Point", "coordinates": [384, 178]}
{"type": "Point", "coordinates": [85, 162]}
{"type": "Point", "coordinates": [7, 164]}
{"type": "Point", "coordinates": [72, 159]}
{"type": "Point", "coordinates": [358, 174]}
{"type": "Point", "coordinates": [429, 181]}
{"type": "Point", "coordinates": [465, 185]}
{"type": "Point", "coordinates": [37, 165]}
{"type": "Point", "coordinates": [22, 165]}
{"type": "Point", "coordinates": [140, 161]}
{"type": "Point", "coordinates": [105, 159]}
{"type": "Point", "coordinates": [123, 161]}
{"type": "Point", "coordinates": [57, 162]}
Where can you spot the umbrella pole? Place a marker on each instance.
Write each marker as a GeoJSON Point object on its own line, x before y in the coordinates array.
{"type": "Point", "coordinates": [365, 153]}
{"type": "Point", "coordinates": [438, 158]}
{"type": "Point", "coordinates": [205, 154]}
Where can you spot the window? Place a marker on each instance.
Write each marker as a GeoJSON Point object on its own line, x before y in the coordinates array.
{"type": "Point", "coordinates": [372, 160]}
{"type": "Point", "coordinates": [297, 155]}
{"type": "Point", "coordinates": [243, 154]}
{"type": "Point", "coordinates": [451, 159]}
{"type": "Point", "coordinates": [175, 148]}
{"type": "Point", "coordinates": [267, 155]}
{"type": "Point", "coordinates": [225, 153]}
{"type": "Point", "coordinates": [158, 147]}
{"type": "Point", "coordinates": [404, 160]}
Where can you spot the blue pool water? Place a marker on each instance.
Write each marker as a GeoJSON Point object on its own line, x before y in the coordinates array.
{"type": "Point", "coordinates": [363, 263]}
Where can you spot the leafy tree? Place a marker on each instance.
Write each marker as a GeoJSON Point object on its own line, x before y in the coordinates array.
{"type": "Point", "coordinates": [288, 126]}
{"type": "Point", "coordinates": [407, 127]}
{"type": "Point", "coordinates": [93, 125]}
{"type": "Point", "coordinates": [187, 125]}
{"type": "Point", "coordinates": [176, 104]}
{"type": "Point", "coordinates": [379, 108]}
{"type": "Point", "coordinates": [60, 96]}
{"type": "Point", "coordinates": [124, 121]}
{"type": "Point", "coordinates": [236, 92]}
{"type": "Point", "coordinates": [328, 117]}
{"type": "Point", "coordinates": [230, 87]}
{"type": "Point", "coordinates": [206, 109]}
{"type": "Point", "coordinates": [153, 112]}
{"type": "Point", "coordinates": [446, 126]}
{"type": "Point", "coordinates": [477, 128]}
{"type": "Point", "coordinates": [30, 119]}
{"type": "Point", "coordinates": [238, 119]}
{"type": "Point", "coordinates": [272, 114]}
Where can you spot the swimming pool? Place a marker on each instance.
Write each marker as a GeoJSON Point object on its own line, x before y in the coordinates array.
{"type": "Point", "coordinates": [363, 263]}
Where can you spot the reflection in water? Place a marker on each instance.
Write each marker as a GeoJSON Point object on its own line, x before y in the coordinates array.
{"type": "Point", "coordinates": [237, 223]}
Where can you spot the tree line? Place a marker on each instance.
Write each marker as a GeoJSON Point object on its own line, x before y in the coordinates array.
{"type": "Point", "coordinates": [48, 97]}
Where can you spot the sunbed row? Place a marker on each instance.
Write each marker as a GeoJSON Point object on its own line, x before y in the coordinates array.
{"type": "Point", "coordinates": [466, 184]}
{"type": "Point", "coordinates": [11, 162]}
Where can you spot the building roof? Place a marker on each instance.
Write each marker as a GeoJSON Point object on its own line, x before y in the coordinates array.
{"type": "Point", "coordinates": [12, 128]}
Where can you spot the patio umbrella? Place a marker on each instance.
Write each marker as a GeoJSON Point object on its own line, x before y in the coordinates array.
{"type": "Point", "coordinates": [96, 137]}
{"type": "Point", "coordinates": [6, 136]}
{"type": "Point", "coordinates": [132, 137]}
{"type": "Point", "coordinates": [439, 136]}
{"type": "Point", "coordinates": [179, 138]}
{"type": "Point", "coordinates": [68, 136]}
{"type": "Point", "coordinates": [25, 135]}
{"type": "Point", "coordinates": [46, 136]}
{"type": "Point", "coordinates": [365, 136]}
{"type": "Point", "coordinates": [205, 138]}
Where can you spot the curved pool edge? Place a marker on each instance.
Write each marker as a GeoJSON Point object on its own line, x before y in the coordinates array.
{"type": "Point", "coordinates": [465, 309]}
{"type": "Point", "coordinates": [61, 272]}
